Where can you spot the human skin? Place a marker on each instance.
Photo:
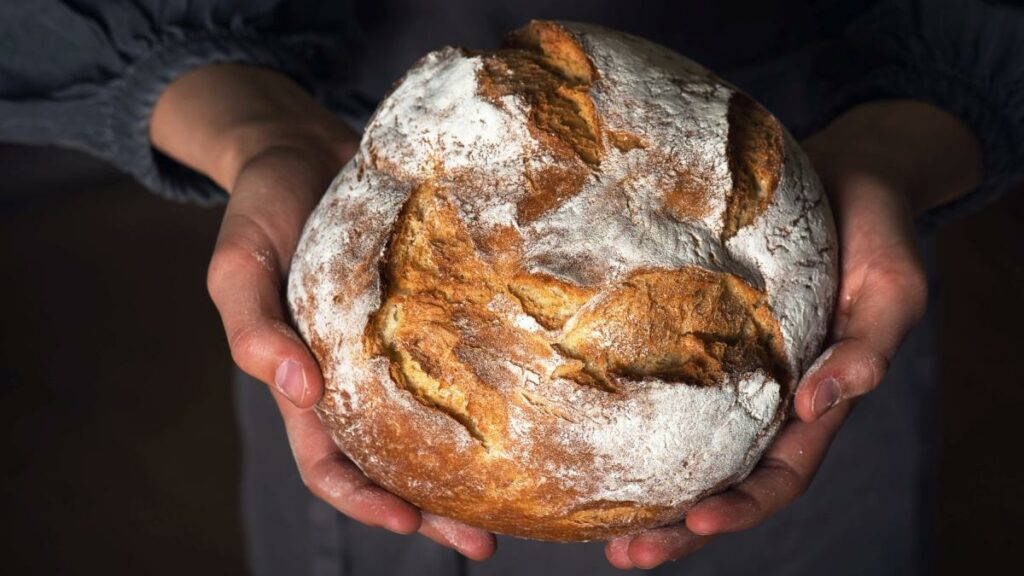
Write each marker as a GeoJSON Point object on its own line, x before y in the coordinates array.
{"type": "Point", "coordinates": [275, 150]}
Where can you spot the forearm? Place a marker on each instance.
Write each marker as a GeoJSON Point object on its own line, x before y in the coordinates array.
{"type": "Point", "coordinates": [218, 118]}
{"type": "Point", "coordinates": [919, 149]}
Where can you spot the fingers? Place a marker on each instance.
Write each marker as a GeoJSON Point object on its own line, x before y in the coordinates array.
{"type": "Point", "coordinates": [473, 543]}
{"type": "Point", "coordinates": [261, 227]}
{"type": "Point", "coordinates": [335, 479]}
{"type": "Point", "coordinates": [617, 552]}
{"type": "Point", "coordinates": [781, 476]}
{"type": "Point", "coordinates": [332, 477]}
{"type": "Point", "coordinates": [245, 283]}
{"type": "Point", "coordinates": [653, 547]}
{"type": "Point", "coordinates": [268, 208]}
{"type": "Point", "coordinates": [855, 364]}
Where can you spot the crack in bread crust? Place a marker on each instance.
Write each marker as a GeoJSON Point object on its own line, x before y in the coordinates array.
{"type": "Point", "coordinates": [562, 112]}
{"type": "Point", "coordinates": [547, 299]}
{"type": "Point", "coordinates": [545, 67]}
{"type": "Point", "coordinates": [755, 151]}
{"type": "Point", "coordinates": [690, 326]}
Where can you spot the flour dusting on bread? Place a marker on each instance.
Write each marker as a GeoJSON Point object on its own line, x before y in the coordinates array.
{"type": "Point", "coordinates": [565, 289]}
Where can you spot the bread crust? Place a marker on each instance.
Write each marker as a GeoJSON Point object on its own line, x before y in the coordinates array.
{"type": "Point", "coordinates": [565, 289]}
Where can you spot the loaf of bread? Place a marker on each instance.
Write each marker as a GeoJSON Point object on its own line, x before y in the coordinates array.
{"type": "Point", "coordinates": [565, 289]}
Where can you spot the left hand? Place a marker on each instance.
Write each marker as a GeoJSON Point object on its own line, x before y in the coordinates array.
{"type": "Point", "coordinates": [275, 150]}
{"type": "Point", "coordinates": [879, 163]}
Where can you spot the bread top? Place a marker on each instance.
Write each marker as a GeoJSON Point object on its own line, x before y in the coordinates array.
{"type": "Point", "coordinates": [564, 289]}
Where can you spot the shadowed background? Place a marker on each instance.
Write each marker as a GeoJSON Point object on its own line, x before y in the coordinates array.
{"type": "Point", "coordinates": [120, 449]}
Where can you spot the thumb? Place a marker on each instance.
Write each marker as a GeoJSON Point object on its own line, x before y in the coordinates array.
{"type": "Point", "coordinates": [883, 294]}
{"type": "Point", "coordinates": [272, 198]}
{"type": "Point", "coordinates": [856, 363]}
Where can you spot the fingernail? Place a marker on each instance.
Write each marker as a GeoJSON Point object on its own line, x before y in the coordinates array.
{"type": "Point", "coordinates": [291, 381]}
{"type": "Point", "coordinates": [826, 395]}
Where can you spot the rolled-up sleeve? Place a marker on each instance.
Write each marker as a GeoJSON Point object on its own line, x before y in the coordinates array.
{"type": "Point", "coordinates": [87, 74]}
{"type": "Point", "coordinates": [964, 56]}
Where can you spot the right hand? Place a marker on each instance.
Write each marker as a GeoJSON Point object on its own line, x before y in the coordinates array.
{"type": "Point", "coordinates": [262, 138]}
{"type": "Point", "coordinates": [879, 162]}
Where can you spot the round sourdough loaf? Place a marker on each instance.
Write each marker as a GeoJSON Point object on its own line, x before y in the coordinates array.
{"type": "Point", "coordinates": [564, 289]}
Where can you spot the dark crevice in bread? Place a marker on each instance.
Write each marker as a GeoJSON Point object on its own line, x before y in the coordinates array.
{"type": "Point", "coordinates": [690, 325]}
{"type": "Point", "coordinates": [755, 151]}
{"type": "Point", "coordinates": [584, 371]}
{"type": "Point", "coordinates": [433, 392]}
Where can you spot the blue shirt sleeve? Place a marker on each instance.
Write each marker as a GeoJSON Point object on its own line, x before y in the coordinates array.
{"type": "Point", "coordinates": [964, 56]}
{"type": "Point", "coordinates": [86, 74]}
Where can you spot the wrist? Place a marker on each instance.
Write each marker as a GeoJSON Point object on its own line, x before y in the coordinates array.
{"type": "Point", "coordinates": [242, 144]}
{"type": "Point", "coordinates": [217, 119]}
{"type": "Point", "coordinates": [914, 148]}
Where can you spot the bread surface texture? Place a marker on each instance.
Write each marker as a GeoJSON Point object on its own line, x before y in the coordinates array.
{"type": "Point", "coordinates": [564, 289]}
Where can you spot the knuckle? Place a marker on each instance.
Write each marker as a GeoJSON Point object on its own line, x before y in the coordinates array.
{"type": "Point", "coordinates": [878, 363]}
{"type": "Point", "coordinates": [905, 285]}
{"type": "Point", "coordinates": [329, 485]}
{"type": "Point", "coordinates": [787, 480]}
{"type": "Point", "coordinates": [245, 250]}
{"type": "Point", "coordinates": [311, 477]}
{"type": "Point", "coordinates": [228, 259]}
{"type": "Point", "coordinates": [244, 342]}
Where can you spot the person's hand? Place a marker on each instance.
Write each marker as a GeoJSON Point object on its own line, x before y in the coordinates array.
{"type": "Point", "coordinates": [879, 163]}
{"type": "Point", "coordinates": [262, 138]}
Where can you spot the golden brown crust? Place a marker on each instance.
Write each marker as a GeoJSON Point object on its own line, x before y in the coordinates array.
{"type": "Point", "coordinates": [687, 197]}
{"type": "Point", "coordinates": [688, 325]}
{"type": "Point", "coordinates": [496, 372]}
{"type": "Point", "coordinates": [549, 188]}
{"type": "Point", "coordinates": [558, 47]}
{"type": "Point", "coordinates": [547, 299]}
{"type": "Point", "coordinates": [549, 69]}
{"type": "Point", "coordinates": [436, 323]}
{"type": "Point", "coordinates": [624, 141]}
{"type": "Point", "coordinates": [755, 153]}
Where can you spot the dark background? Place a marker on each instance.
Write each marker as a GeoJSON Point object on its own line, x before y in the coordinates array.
{"type": "Point", "coordinates": [120, 450]}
